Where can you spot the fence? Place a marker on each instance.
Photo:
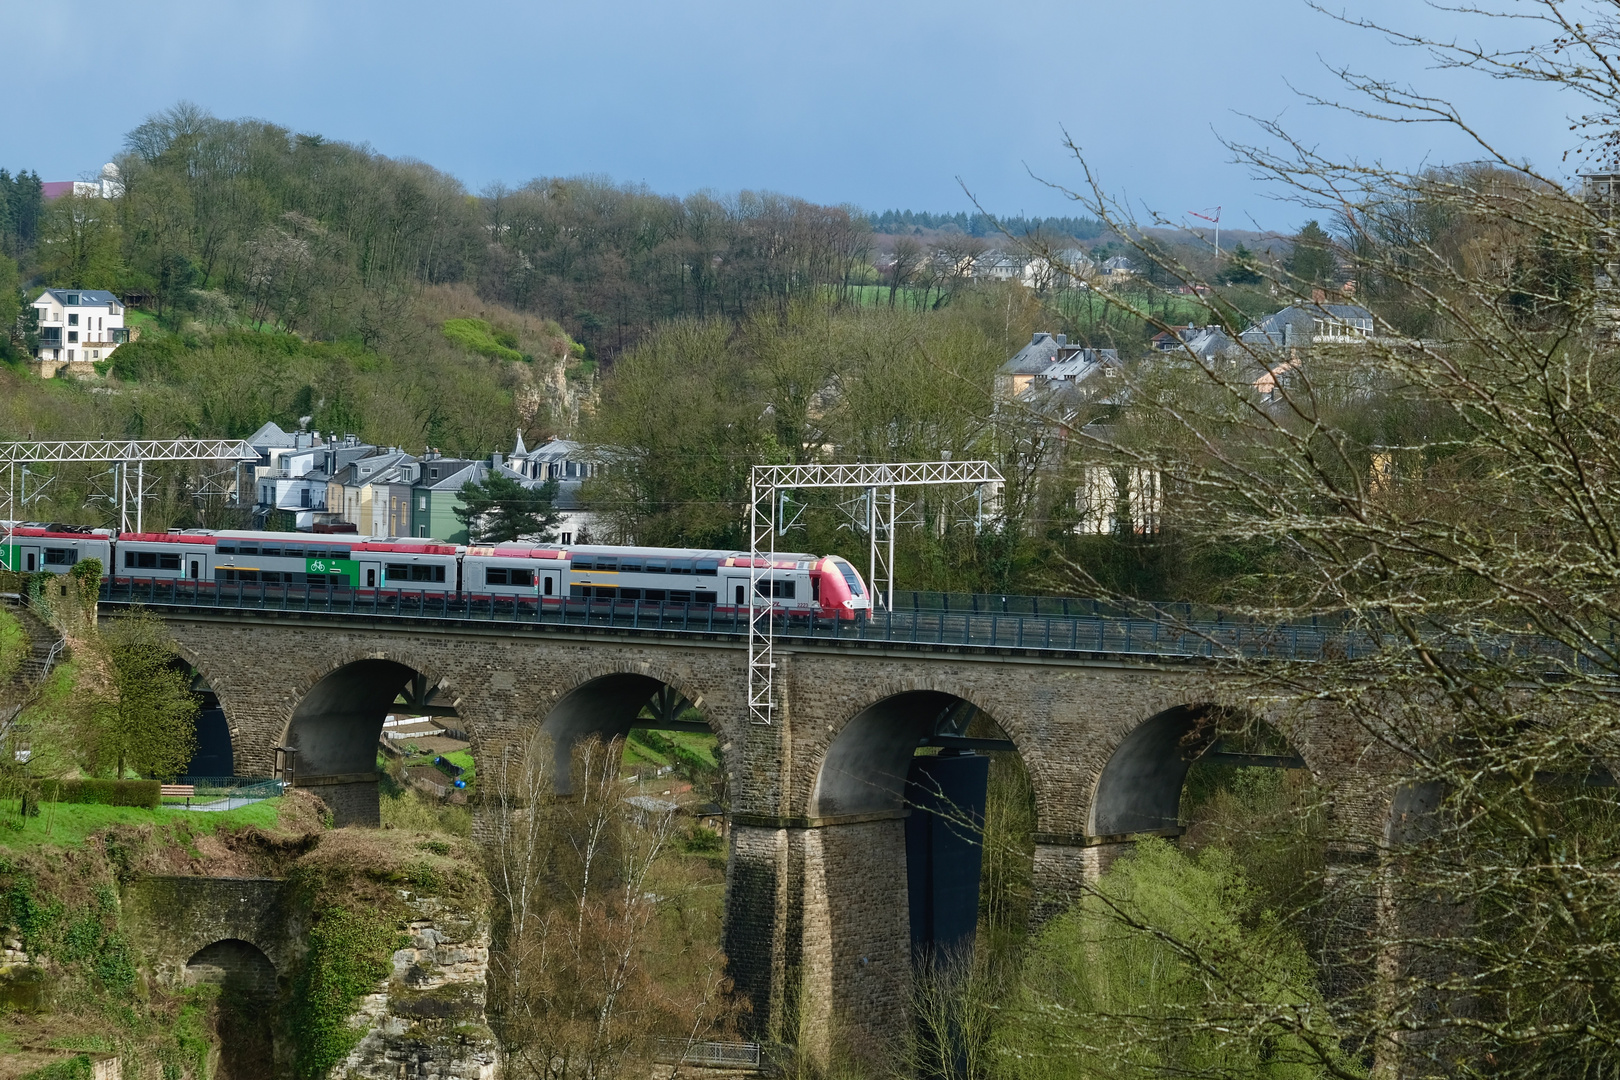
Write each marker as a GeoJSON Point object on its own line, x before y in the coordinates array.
{"type": "Point", "coordinates": [979, 622]}
{"type": "Point", "coordinates": [708, 1054]}
{"type": "Point", "coordinates": [226, 792]}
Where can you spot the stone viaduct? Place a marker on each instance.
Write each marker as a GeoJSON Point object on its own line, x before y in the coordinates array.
{"type": "Point", "coordinates": [816, 883]}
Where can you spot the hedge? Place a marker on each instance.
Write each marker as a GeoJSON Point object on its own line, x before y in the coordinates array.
{"type": "Point", "coordinates": [103, 792]}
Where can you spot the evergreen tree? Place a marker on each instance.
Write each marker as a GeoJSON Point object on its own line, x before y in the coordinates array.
{"type": "Point", "coordinates": [501, 509]}
{"type": "Point", "coordinates": [1312, 263]}
{"type": "Point", "coordinates": [1241, 270]}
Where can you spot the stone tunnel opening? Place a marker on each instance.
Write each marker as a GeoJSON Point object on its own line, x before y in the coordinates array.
{"type": "Point", "coordinates": [243, 1007]}
{"type": "Point", "coordinates": [334, 732]}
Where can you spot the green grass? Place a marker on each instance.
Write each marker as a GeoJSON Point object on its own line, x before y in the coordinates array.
{"type": "Point", "coordinates": [476, 335]}
{"type": "Point", "coordinates": [13, 645]}
{"type": "Point", "coordinates": [464, 760]}
{"type": "Point", "coordinates": [69, 824]}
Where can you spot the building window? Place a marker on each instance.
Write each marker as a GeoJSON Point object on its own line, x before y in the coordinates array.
{"type": "Point", "coordinates": [421, 503]}
{"type": "Point", "coordinates": [73, 320]}
{"type": "Point", "coordinates": [73, 335]}
{"type": "Point", "coordinates": [70, 356]}
{"type": "Point", "coordinates": [567, 538]}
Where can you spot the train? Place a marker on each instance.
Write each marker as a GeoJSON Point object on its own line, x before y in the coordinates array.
{"type": "Point", "coordinates": [328, 564]}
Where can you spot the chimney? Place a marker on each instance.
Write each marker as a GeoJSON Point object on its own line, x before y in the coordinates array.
{"type": "Point", "coordinates": [1063, 339]}
{"type": "Point", "coordinates": [1318, 296]}
{"type": "Point", "coordinates": [495, 460]}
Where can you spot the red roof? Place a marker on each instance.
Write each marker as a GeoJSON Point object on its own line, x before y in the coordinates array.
{"type": "Point", "coordinates": [414, 549]}
{"type": "Point", "coordinates": [34, 530]}
{"type": "Point", "coordinates": [55, 189]}
{"type": "Point", "coordinates": [168, 538]}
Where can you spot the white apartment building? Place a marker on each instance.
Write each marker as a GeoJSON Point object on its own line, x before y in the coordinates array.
{"type": "Point", "coordinates": [77, 327]}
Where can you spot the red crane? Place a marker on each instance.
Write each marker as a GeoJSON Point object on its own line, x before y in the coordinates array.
{"type": "Point", "coordinates": [1217, 220]}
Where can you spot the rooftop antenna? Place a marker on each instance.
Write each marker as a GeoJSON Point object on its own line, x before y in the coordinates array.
{"type": "Point", "coordinates": [1217, 220]}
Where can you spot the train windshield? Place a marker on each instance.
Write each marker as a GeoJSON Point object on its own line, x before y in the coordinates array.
{"type": "Point", "coordinates": [851, 578]}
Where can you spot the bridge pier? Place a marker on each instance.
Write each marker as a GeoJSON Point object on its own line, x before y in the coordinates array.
{"type": "Point", "coordinates": [818, 929]}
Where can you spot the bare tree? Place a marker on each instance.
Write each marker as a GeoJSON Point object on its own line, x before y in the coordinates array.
{"type": "Point", "coordinates": [1442, 488]}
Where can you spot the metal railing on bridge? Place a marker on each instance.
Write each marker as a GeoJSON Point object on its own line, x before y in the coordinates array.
{"type": "Point", "coordinates": [984, 624]}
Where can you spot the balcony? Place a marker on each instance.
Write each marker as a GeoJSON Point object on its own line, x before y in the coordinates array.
{"type": "Point", "coordinates": [50, 336]}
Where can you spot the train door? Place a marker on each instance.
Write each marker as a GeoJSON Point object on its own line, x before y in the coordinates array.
{"type": "Point", "coordinates": [370, 574]}
{"type": "Point", "coordinates": [30, 559]}
{"type": "Point", "coordinates": [735, 592]}
{"type": "Point", "coordinates": [549, 584]}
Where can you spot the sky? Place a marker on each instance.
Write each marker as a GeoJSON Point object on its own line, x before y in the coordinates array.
{"type": "Point", "coordinates": [900, 104]}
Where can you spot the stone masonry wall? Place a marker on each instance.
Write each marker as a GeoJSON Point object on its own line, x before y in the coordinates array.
{"type": "Point", "coordinates": [426, 1022]}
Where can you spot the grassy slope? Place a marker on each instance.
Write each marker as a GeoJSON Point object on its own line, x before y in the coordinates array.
{"type": "Point", "coordinates": [69, 824]}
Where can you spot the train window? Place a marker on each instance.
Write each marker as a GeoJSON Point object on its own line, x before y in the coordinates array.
{"type": "Point", "coordinates": [741, 599]}
{"type": "Point", "coordinates": [548, 586]}
{"type": "Point", "coordinates": [581, 562]}
{"type": "Point", "coordinates": [654, 566]}
{"type": "Point", "coordinates": [708, 567]}
{"type": "Point", "coordinates": [225, 549]}
{"type": "Point", "coordinates": [653, 594]}
{"type": "Point", "coordinates": [292, 553]}
{"type": "Point", "coordinates": [704, 597]}
{"type": "Point", "coordinates": [607, 562]}
{"type": "Point", "coordinates": [397, 571]}
{"type": "Point", "coordinates": [152, 560]}
{"type": "Point", "coordinates": [30, 562]}
{"type": "Point", "coordinates": [193, 569]}
{"type": "Point", "coordinates": [60, 556]}
{"type": "Point", "coordinates": [414, 572]}
{"type": "Point", "coordinates": [333, 553]}
{"type": "Point", "coordinates": [247, 549]}
{"type": "Point", "coordinates": [630, 565]}
{"type": "Point", "coordinates": [680, 566]}
{"type": "Point", "coordinates": [629, 594]}
{"type": "Point", "coordinates": [815, 589]}
{"type": "Point", "coordinates": [495, 575]}
{"type": "Point", "coordinates": [522, 577]}
{"type": "Point", "coordinates": [271, 549]}
{"type": "Point", "coordinates": [679, 596]}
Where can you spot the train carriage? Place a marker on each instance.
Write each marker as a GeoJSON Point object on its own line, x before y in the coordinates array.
{"type": "Point", "coordinates": [28, 547]}
{"type": "Point", "coordinates": [529, 576]}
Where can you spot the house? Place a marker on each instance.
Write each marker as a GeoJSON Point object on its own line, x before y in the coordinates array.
{"type": "Point", "coordinates": [1119, 268]}
{"type": "Point", "coordinates": [109, 186]}
{"type": "Point", "coordinates": [570, 464]}
{"type": "Point", "coordinates": [360, 491]}
{"type": "Point", "coordinates": [1048, 357]}
{"type": "Point", "coordinates": [77, 327]}
{"type": "Point", "coordinates": [1204, 342]}
{"type": "Point", "coordinates": [1315, 323]}
{"type": "Point", "coordinates": [436, 496]}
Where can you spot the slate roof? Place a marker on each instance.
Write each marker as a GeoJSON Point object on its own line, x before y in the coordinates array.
{"type": "Point", "coordinates": [270, 435]}
{"type": "Point", "coordinates": [87, 297]}
{"type": "Point", "coordinates": [1296, 323]}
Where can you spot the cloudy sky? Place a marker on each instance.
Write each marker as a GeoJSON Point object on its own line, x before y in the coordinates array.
{"type": "Point", "coordinates": [878, 104]}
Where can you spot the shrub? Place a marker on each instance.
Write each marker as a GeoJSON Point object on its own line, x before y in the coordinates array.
{"type": "Point", "coordinates": [476, 335]}
{"type": "Point", "coordinates": [103, 792]}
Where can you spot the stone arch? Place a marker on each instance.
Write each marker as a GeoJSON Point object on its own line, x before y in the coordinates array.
{"type": "Point", "coordinates": [234, 964]}
{"type": "Point", "coordinates": [878, 855]}
{"type": "Point", "coordinates": [1138, 791]}
{"type": "Point", "coordinates": [607, 702]}
{"type": "Point", "coordinates": [227, 727]}
{"type": "Point", "coordinates": [335, 725]}
{"type": "Point", "coordinates": [244, 1008]}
